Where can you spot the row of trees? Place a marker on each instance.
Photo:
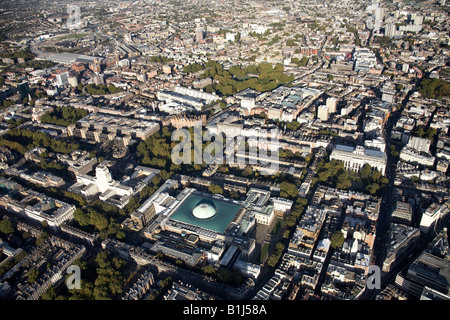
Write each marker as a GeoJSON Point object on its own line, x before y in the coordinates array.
{"type": "Point", "coordinates": [216, 189]}
{"type": "Point", "coordinates": [99, 216]}
{"type": "Point", "coordinates": [52, 166]}
{"type": "Point", "coordinates": [373, 180]}
{"type": "Point", "coordinates": [296, 211]}
{"type": "Point", "coordinates": [276, 254]}
{"type": "Point", "coordinates": [64, 116]}
{"type": "Point", "coordinates": [335, 175]}
{"type": "Point", "coordinates": [101, 89]}
{"type": "Point", "coordinates": [289, 154]}
{"type": "Point", "coordinates": [162, 287]}
{"type": "Point", "coordinates": [22, 140]}
{"type": "Point", "coordinates": [288, 190]}
{"type": "Point", "coordinates": [233, 277]}
{"type": "Point", "coordinates": [160, 59]}
{"type": "Point", "coordinates": [105, 225]}
{"type": "Point", "coordinates": [274, 40]}
{"type": "Point", "coordinates": [337, 239]}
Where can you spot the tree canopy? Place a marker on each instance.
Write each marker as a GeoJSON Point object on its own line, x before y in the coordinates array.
{"type": "Point", "coordinates": [104, 279]}
{"type": "Point", "coordinates": [22, 140]}
{"type": "Point", "coordinates": [101, 89]}
{"type": "Point", "coordinates": [6, 226]}
{"type": "Point", "coordinates": [421, 132]}
{"type": "Point", "coordinates": [64, 116]}
{"type": "Point", "coordinates": [214, 188]}
{"type": "Point", "coordinates": [337, 240]}
{"type": "Point", "coordinates": [288, 190]}
{"type": "Point", "coordinates": [275, 256]}
{"type": "Point", "coordinates": [236, 79]}
{"type": "Point", "coordinates": [434, 88]}
{"type": "Point", "coordinates": [194, 67]}
{"type": "Point", "coordinates": [366, 180]}
{"type": "Point", "coordinates": [160, 59]}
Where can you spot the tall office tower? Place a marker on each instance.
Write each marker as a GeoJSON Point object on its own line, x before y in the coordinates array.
{"type": "Point", "coordinates": [103, 177]}
{"type": "Point", "coordinates": [405, 67]}
{"type": "Point", "coordinates": [418, 20]}
{"type": "Point", "coordinates": [379, 16]}
{"type": "Point", "coordinates": [99, 79]}
{"type": "Point", "coordinates": [199, 34]}
{"type": "Point", "coordinates": [323, 113]}
{"type": "Point", "coordinates": [431, 216]}
{"type": "Point", "coordinates": [390, 30]}
{"type": "Point", "coordinates": [62, 78]}
{"type": "Point", "coordinates": [128, 37]}
{"type": "Point", "coordinates": [332, 104]}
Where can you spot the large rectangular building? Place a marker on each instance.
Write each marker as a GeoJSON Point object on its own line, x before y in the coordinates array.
{"type": "Point", "coordinates": [402, 212]}
{"type": "Point", "coordinates": [29, 203]}
{"type": "Point", "coordinates": [70, 58]}
{"type": "Point", "coordinates": [105, 127]}
{"type": "Point", "coordinates": [419, 144]}
{"type": "Point", "coordinates": [354, 158]}
{"type": "Point", "coordinates": [192, 97]}
{"type": "Point", "coordinates": [400, 239]}
{"type": "Point", "coordinates": [425, 273]}
{"type": "Point", "coordinates": [413, 156]}
{"type": "Point", "coordinates": [432, 215]}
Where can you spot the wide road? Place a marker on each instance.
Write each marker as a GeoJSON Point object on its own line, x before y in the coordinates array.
{"type": "Point", "coordinates": [163, 42]}
{"type": "Point", "coordinates": [386, 207]}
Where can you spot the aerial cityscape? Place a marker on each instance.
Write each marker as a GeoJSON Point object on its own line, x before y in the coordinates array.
{"type": "Point", "coordinates": [224, 150]}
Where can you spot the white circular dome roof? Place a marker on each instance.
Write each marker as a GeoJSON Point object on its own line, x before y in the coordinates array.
{"type": "Point", "coordinates": [204, 211]}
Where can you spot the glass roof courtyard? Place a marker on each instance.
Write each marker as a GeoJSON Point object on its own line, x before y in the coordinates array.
{"type": "Point", "coordinates": [226, 211]}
